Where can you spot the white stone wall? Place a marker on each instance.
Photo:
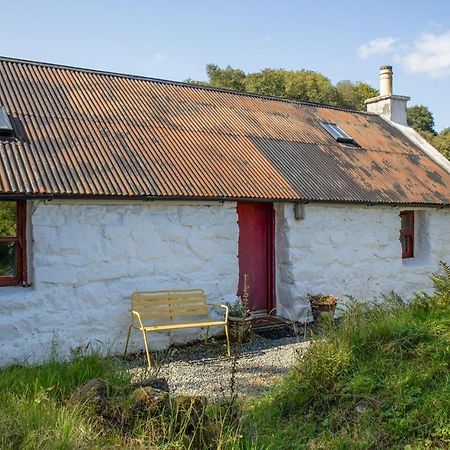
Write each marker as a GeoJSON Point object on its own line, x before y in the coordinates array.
{"type": "Point", "coordinates": [86, 259]}
{"type": "Point", "coordinates": [351, 250]}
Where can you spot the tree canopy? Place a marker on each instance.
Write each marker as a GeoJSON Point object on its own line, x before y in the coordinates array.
{"type": "Point", "coordinates": [352, 95]}
{"type": "Point", "coordinates": [306, 85]}
{"type": "Point", "coordinates": [227, 78]}
{"type": "Point", "coordinates": [442, 142]}
{"type": "Point", "coordinates": [421, 118]}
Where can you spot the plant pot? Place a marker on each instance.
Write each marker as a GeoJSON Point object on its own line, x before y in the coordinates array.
{"type": "Point", "coordinates": [321, 306]}
{"type": "Point", "coordinates": [240, 329]}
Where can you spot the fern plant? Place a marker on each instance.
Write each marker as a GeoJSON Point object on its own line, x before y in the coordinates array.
{"type": "Point", "coordinates": [441, 281]}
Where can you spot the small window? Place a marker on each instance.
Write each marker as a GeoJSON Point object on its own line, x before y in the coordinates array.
{"type": "Point", "coordinates": [6, 128]}
{"type": "Point", "coordinates": [338, 133]}
{"type": "Point", "coordinates": [12, 243]}
{"type": "Point", "coordinates": [407, 233]}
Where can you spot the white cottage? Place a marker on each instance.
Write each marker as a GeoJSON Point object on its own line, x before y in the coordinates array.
{"type": "Point", "coordinates": [113, 183]}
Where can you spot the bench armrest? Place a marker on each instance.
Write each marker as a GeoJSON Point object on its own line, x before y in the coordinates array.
{"type": "Point", "coordinates": [135, 313]}
{"type": "Point", "coordinates": [225, 307]}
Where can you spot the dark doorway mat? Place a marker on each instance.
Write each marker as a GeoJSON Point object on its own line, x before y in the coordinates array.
{"type": "Point", "coordinates": [274, 330]}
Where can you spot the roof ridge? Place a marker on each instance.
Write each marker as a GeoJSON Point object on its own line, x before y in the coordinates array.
{"type": "Point", "coordinates": [179, 83]}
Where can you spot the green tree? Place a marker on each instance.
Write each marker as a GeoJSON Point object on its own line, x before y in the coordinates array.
{"type": "Point", "coordinates": [421, 119]}
{"type": "Point", "coordinates": [352, 95]}
{"type": "Point", "coordinates": [267, 82]}
{"type": "Point", "coordinates": [442, 142]}
{"type": "Point", "coordinates": [305, 85]}
{"type": "Point", "coordinates": [227, 78]}
{"type": "Point", "coordinates": [310, 86]}
{"type": "Point", "coordinates": [196, 82]}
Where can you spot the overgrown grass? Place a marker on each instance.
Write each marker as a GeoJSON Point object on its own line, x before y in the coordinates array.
{"type": "Point", "coordinates": [35, 411]}
{"type": "Point", "coordinates": [380, 380]}
{"type": "Point", "coordinates": [38, 411]}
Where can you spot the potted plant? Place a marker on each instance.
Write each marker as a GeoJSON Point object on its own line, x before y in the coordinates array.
{"type": "Point", "coordinates": [322, 305]}
{"type": "Point", "coordinates": [239, 321]}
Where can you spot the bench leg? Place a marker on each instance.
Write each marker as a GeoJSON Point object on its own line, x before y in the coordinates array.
{"type": "Point", "coordinates": [128, 339]}
{"type": "Point", "coordinates": [144, 333]}
{"type": "Point", "coordinates": [228, 339]}
{"type": "Point", "coordinates": [206, 335]}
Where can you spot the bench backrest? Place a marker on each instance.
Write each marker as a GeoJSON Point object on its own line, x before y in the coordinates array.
{"type": "Point", "coordinates": [170, 306]}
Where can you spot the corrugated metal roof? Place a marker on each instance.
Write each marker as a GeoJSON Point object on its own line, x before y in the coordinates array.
{"type": "Point", "coordinates": [89, 133]}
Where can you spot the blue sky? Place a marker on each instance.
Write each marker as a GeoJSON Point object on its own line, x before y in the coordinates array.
{"type": "Point", "coordinates": [176, 39]}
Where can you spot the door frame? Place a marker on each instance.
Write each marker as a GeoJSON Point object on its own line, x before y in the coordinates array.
{"type": "Point", "coordinates": [271, 283]}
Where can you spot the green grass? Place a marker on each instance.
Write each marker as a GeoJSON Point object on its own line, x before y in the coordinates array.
{"type": "Point", "coordinates": [38, 411]}
{"type": "Point", "coordinates": [35, 411]}
{"type": "Point", "coordinates": [378, 380]}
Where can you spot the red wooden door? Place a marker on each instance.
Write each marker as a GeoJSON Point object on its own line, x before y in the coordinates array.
{"type": "Point", "coordinates": [256, 255]}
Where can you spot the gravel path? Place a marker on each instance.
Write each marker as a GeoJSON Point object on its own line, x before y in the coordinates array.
{"type": "Point", "coordinates": [202, 369]}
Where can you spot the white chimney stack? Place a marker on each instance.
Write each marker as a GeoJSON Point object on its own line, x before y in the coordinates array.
{"type": "Point", "coordinates": [385, 80]}
{"type": "Point", "coordinates": [388, 105]}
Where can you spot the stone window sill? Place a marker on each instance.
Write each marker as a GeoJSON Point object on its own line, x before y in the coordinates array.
{"type": "Point", "coordinates": [16, 289]}
{"type": "Point", "coordinates": [417, 262]}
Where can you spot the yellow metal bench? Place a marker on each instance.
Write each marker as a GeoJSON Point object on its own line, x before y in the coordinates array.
{"type": "Point", "coordinates": [172, 310]}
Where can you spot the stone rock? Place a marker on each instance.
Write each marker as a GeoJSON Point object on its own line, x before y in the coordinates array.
{"type": "Point", "coordinates": [148, 401]}
{"type": "Point", "coordinates": [92, 393]}
{"type": "Point", "coordinates": [93, 388]}
{"type": "Point", "coordinates": [114, 412]}
{"type": "Point", "coordinates": [361, 408]}
{"type": "Point", "coordinates": [159, 384]}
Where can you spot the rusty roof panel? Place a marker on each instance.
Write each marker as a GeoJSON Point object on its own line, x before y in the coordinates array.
{"type": "Point", "coordinates": [342, 173]}
{"type": "Point", "coordinates": [89, 133]}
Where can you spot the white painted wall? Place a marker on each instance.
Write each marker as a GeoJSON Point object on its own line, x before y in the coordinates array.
{"type": "Point", "coordinates": [351, 250]}
{"type": "Point", "coordinates": [86, 259]}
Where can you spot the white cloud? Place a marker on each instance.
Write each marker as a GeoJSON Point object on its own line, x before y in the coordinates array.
{"type": "Point", "coordinates": [380, 46]}
{"type": "Point", "coordinates": [430, 55]}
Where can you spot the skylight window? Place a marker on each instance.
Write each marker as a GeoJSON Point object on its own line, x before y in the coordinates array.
{"type": "Point", "coordinates": [338, 133]}
{"type": "Point", "coordinates": [6, 128]}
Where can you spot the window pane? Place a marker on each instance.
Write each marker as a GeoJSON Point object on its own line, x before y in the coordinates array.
{"type": "Point", "coordinates": [338, 131]}
{"type": "Point", "coordinates": [5, 123]}
{"type": "Point", "coordinates": [329, 127]}
{"type": "Point", "coordinates": [8, 259]}
{"type": "Point", "coordinates": [404, 242]}
{"type": "Point", "coordinates": [8, 219]}
{"type": "Point", "coordinates": [406, 223]}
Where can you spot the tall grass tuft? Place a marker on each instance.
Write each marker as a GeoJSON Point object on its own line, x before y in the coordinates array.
{"type": "Point", "coordinates": [34, 411]}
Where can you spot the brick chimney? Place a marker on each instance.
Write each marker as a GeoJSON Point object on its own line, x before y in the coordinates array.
{"type": "Point", "coordinates": [388, 105]}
